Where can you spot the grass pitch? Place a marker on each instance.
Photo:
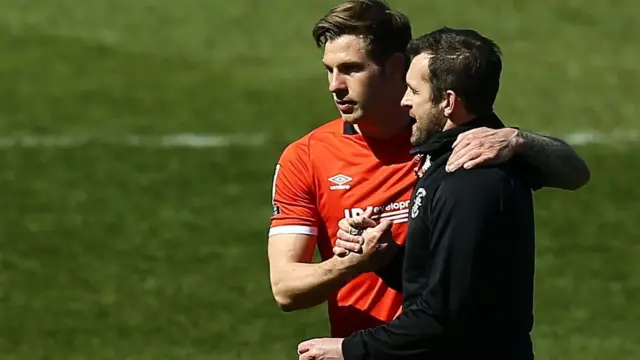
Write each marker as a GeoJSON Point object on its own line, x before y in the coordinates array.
{"type": "Point", "coordinates": [117, 252]}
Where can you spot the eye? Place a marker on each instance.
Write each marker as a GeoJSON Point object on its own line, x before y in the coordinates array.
{"type": "Point", "coordinates": [350, 68]}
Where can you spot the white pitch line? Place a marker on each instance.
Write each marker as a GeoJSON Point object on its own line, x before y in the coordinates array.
{"type": "Point", "coordinates": [194, 140]}
{"type": "Point", "coordinates": [617, 137]}
{"type": "Point", "coordinates": [187, 140]}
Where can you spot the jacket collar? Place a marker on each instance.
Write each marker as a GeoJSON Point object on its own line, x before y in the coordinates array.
{"type": "Point", "coordinates": [441, 143]}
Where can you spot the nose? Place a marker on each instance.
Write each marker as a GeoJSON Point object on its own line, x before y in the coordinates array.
{"type": "Point", "coordinates": [405, 102]}
{"type": "Point", "coordinates": [337, 82]}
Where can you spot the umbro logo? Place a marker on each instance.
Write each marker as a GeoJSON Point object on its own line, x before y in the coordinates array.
{"type": "Point", "coordinates": [341, 182]}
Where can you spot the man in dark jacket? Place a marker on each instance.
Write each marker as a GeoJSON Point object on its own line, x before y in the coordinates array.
{"type": "Point", "coordinates": [467, 271]}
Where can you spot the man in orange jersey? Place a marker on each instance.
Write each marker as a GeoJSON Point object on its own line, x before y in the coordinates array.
{"type": "Point", "coordinates": [361, 162]}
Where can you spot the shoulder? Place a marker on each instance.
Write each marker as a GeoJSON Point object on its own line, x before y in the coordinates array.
{"type": "Point", "coordinates": [477, 177]}
{"type": "Point", "coordinates": [482, 183]}
{"type": "Point", "coordinates": [301, 148]}
{"type": "Point", "coordinates": [333, 127]}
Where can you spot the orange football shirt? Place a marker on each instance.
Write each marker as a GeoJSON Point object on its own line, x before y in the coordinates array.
{"type": "Point", "coordinates": [332, 173]}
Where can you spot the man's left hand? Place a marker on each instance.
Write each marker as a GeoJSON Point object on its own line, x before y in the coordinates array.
{"type": "Point", "coordinates": [321, 349]}
{"type": "Point", "coordinates": [483, 146]}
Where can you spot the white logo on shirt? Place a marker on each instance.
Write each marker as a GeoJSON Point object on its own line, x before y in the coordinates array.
{"type": "Point", "coordinates": [417, 202]}
{"type": "Point", "coordinates": [340, 180]}
{"type": "Point", "coordinates": [397, 211]}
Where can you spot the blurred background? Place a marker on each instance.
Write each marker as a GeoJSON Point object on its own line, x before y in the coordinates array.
{"type": "Point", "coordinates": [138, 140]}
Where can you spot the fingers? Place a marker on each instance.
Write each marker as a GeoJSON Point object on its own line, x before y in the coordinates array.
{"type": "Point", "coordinates": [347, 230]}
{"type": "Point", "coordinates": [482, 160]}
{"type": "Point", "coordinates": [482, 146]}
{"type": "Point", "coordinates": [340, 252]}
{"type": "Point", "coordinates": [461, 150]}
{"type": "Point", "coordinates": [470, 135]}
{"type": "Point", "coordinates": [349, 246]}
{"type": "Point", "coordinates": [306, 352]}
{"type": "Point", "coordinates": [304, 346]}
{"type": "Point", "coordinates": [458, 139]}
{"type": "Point", "coordinates": [364, 220]}
{"type": "Point", "coordinates": [465, 158]}
{"type": "Point", "coordinates": [347, 243]}
{"type": "Point", "coordinates": [463, 140]}
{"type": "Point", "coordinates": [308, 356]}
{"type": "Point", "coordinates": [358, 222]}
{"type": "Point", "coordinates": [470, 141]}
{"type": "Point", "coordinates": [361, 222]}
{"type": "Point", "coordinates": [344, 225]}
{"type": "Point", "coordinates": [384, 225]}
{"type": "Point", "coordinates": [371, 236]}
{"type": "Point", "coordinates": [345, 236]}
{"type": "Point", "coordinates": [378, 238]}
{"type": "Point", "coordinates": [349, 236]}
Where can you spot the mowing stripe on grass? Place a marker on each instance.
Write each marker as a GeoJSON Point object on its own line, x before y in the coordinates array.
{"type": "Point", "coordinates": [188, 140]}
{"type": "Point", "coordinates": [618, 137]}
{"type": "Point", "coordinates": [192, 140]}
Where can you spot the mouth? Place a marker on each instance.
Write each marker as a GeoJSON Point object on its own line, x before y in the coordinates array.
{"type": "Point", "coordinates": [414, 124]}
{"type": "Point", "coordinates": [345, 105]}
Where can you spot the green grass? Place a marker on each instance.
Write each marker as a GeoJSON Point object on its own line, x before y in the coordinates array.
{"type": "Point", "coordinates": [109, 252]}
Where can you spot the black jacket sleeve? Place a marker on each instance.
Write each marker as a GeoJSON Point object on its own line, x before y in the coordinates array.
{"type": "Point", "coordinates": [391, 274]}
{"type": "Point", "coordinates": [463, 212]}
{"type": "Point", "coordinates": [533, 175]}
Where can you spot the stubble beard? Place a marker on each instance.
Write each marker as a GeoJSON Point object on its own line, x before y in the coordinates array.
{"type": "Point", "coordinates": [431, 124]}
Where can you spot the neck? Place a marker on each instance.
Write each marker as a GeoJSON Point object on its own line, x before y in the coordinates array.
{"type": "Point", "coordinates": [458, 121]}
{"type": "Point", "coordinates": [384, 125]}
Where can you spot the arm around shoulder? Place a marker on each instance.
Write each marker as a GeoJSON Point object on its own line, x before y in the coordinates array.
{"type": "Point", "coordinates": [558, 164]}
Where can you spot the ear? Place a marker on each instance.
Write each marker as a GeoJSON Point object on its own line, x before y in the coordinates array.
{"type": "Point", "coordinates": [395, 66]}
{"type": "Point", "coordinates": [450, 103]}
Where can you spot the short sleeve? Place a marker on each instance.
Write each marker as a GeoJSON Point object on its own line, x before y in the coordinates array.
{"type": "Point", "coordinates": [293, 196]}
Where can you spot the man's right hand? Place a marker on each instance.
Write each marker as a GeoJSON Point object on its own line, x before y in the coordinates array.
{"type": "Point", "coordinates": [369, 246]}
{"type": "Point", "coordinates": [350, 233]}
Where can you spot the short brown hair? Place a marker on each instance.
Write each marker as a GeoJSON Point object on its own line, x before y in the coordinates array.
{"type": "Point", "coordinates": [386, 31]}
{"type": "Point", "coordinates": [464, 61]}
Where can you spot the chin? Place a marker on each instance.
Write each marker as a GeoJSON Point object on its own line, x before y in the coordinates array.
{"type": "Point", "coordinates": [415, 141]}
{"type": "Point", "coordinates": [353, 118]}
{"type": "Point", "coordinates": [418, 137]}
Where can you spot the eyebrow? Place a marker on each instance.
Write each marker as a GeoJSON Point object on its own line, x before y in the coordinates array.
{"type": "Point", "coordinates": [344, 64]}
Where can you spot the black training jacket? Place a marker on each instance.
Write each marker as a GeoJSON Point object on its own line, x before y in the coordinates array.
{"type": "Point", "coordinates": [467, 269]}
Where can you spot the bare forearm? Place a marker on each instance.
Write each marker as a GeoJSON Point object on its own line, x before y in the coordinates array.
{"type": "Point", "coordinates": [561, 167]}
{"type": "Point", "coordinates": [300, 285]}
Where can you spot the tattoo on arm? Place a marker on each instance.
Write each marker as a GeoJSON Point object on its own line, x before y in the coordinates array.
{"type": "Point", "coordinates": [559, 164]}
